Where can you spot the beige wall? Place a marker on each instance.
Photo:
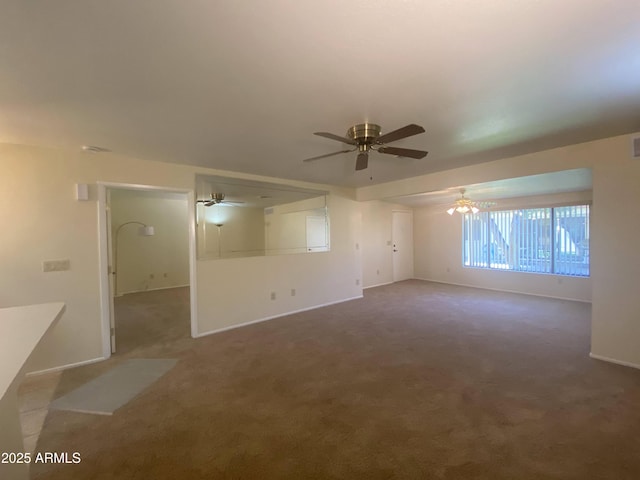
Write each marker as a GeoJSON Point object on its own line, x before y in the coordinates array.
{"type": "Point", "coordinates": [377, 250]}
{"type": "Point", "coordinates": [438, 255]}
{"type": "Point", "coordinates": [59, 227]}
{"type": "Point", "coordinates": [615, 261]}
{"type": "Point", "coordinates": [241, 289]}
{"type": "Point", "coordinates": [159, 261]}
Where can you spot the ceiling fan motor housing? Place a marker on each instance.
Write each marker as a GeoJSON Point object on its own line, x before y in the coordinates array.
{"type": "Point", "coordinates": [364, 133]}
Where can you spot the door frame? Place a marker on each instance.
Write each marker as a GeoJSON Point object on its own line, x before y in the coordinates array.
{"type": "Point", "coordinates": [110, 268]}
{"type": "Point", "coordinates": [106, 293]}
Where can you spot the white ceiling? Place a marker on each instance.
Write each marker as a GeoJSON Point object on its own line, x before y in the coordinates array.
{"type": "Point", "coordinates": [251, 193]}
{"type": "Point", "coordinates": [241, 85]}
{"type": "Point", "coordinates": [576, 180]}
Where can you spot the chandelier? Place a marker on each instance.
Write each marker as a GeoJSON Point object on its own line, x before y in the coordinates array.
{"type": "Point", "coordinates": [463, 205]}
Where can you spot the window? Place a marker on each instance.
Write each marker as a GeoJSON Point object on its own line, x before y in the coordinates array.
{"type": "Point", "coordinates": [540, 240]}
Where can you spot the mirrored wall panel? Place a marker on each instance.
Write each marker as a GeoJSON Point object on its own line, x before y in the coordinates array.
{"type": "Point", "coordinates": [244, 218]}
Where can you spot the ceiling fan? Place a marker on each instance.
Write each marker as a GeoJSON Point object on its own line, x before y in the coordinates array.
{"type": "Point", "coordinates": [217, 199]}
{"type": "Point", "coordinates": [366, 137]}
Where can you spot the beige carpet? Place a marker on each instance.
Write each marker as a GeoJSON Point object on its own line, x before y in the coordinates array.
{"type": "Point", "coordinates": [416, 381]}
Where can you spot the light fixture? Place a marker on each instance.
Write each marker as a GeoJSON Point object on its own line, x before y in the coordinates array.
{"type": "Point", "coordinates": [144, 230]}
{"type": "Point", "coordinates": [463, 205]}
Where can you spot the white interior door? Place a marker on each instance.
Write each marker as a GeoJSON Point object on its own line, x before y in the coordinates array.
{"type": "Point", "coordinates": [111, 270]}
{"type": "Point", "coordinates": [402, 239]}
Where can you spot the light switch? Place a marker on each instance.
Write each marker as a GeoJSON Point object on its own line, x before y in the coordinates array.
{"type": "Point", "coordinates": [56, 265]}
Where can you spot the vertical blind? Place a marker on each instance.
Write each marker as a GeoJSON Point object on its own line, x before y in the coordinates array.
{"type": "Point", "coordinates": [540, 240]}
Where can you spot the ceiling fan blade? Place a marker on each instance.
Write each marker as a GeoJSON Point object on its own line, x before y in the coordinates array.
{"type": "Point", "coordinates": [209, 203]}
{"type": "Point", "coordinates": [328, 155]}
{"type": "Point", "coordinates": [403, 152]}
{"type": "Point", "coordinates": [231, 203]}
{"type": "Point", "coordinates": [331, 136]}
{"type": "Point", "coordinates": [404, 132]}
{"type": "Point", "coordinates": [362, 161]}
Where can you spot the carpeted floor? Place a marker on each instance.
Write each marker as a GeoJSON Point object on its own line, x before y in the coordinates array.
{"type": "Point", "coordinates": [416, 381]}
{"type": "Point", "coordinates": [152, 319]}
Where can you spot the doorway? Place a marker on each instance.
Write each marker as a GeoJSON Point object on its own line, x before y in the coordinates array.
{"type": "Point", "coordinates": [402, 240]}
{"type": "Point", "coordinates": [147, 246]}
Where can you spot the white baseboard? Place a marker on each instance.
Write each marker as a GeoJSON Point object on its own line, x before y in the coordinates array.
{"type": "Point", "coordinates": [65, 367]}
{"type": "Point", "coordinates": [502, 290]}
{"type": "Point", "coordinates": [152, 289]}
{"type": "Point", "coordinates": [259, 320]}
{"type": "Point", "coordinates": [613, 360]}
{"type": "Point", "coordinates": [377, 285]}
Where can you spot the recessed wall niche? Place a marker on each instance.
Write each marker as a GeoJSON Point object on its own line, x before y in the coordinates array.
{"type": "Point", "coordinates": [244, 218]}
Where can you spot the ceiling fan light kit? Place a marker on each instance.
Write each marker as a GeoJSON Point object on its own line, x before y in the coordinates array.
{"type": "Point", "coordinates": [366, 137]}
{"type": "Point", "coordinates": [463, 205]}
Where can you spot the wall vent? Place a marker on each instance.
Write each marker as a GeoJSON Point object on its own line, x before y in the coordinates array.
{"type": "Point", "coordinates": [268, 210]}
{"type": "Point", "coordinates": [635, 147]}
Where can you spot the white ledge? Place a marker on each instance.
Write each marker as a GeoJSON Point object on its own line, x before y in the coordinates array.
{"type": "Point", "coordinates": [21, 329]}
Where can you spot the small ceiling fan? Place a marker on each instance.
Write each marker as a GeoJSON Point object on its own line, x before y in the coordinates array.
{"type": "Point", "coordinates": [217, 199]}
{"type": "Point", "coordinates": [366, 137]}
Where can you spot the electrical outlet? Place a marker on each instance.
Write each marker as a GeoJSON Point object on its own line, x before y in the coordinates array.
{"type": "Point", "coordinates": [388, 243]}
{"type": "Point", "coordinates": [357, 281]}
{"type": "Point", "coordinates": [293, 292]}
{"type": "Point", "coordinates": [56, 265]}
{"type": "Point", "coordinates": [273, 295]}
{"type": "Point", "coordinates": [377, 272]}
{"type": "Point", "coordinates": [357, 246]}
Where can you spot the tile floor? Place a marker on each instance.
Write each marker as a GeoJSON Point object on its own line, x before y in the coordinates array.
{"type": "Point", "coordinates": [34, 395]}
{"type": "Point", "coordinates": [135, 334]}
